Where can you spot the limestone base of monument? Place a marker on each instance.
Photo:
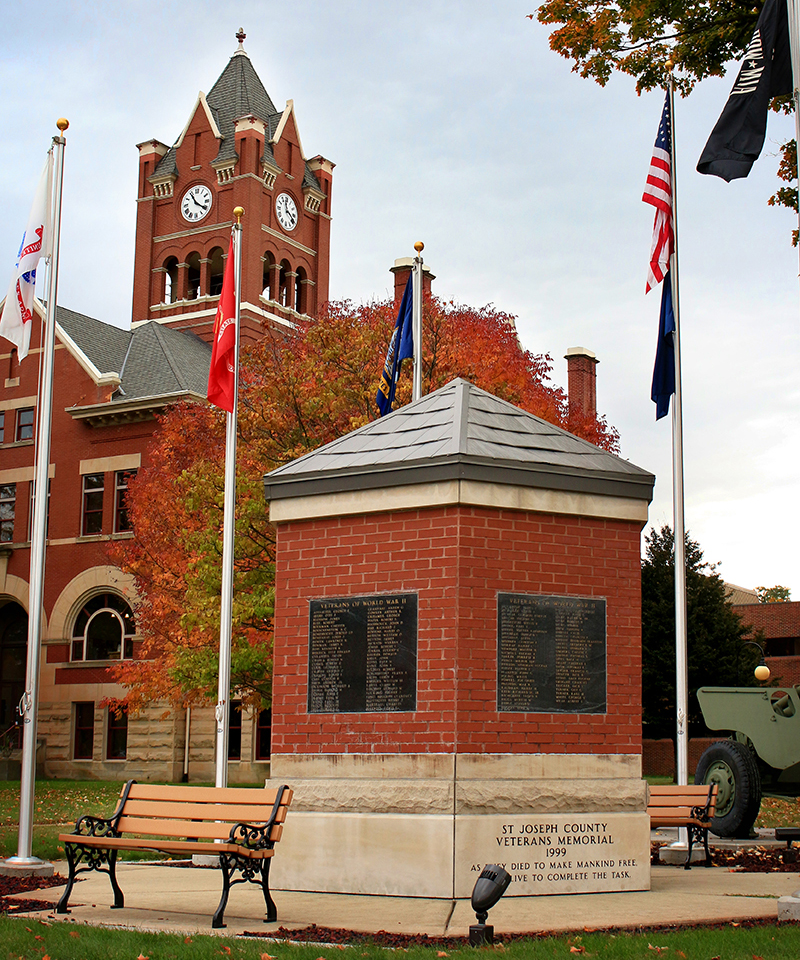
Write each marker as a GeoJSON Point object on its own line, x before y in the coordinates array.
{"type": "Point", "coordinates": [425, 825]}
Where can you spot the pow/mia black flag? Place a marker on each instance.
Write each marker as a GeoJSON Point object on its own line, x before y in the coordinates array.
{"type": "Point", "coordinates": [766, 72]}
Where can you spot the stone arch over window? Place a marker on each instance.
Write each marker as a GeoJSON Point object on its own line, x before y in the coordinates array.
{"type": "Point", "coordinates": [193, 276]}
{"type": "Point", "coordinates": [171, 280]}
{"type": "Point", "coordinates": [268, 261]}
{"type": "Point", "coordinates": [103, 629]}
{"type": "Point", "coordinates": [216, 271]}
{"type": "Point", "coordinates": [301, 291]}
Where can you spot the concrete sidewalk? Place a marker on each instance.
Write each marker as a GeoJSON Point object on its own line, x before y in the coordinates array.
{"type": "Point", "coordinates": [182, 900]}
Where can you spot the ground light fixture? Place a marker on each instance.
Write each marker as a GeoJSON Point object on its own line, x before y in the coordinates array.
{"type": "Point", "coordinates": [489, 887]}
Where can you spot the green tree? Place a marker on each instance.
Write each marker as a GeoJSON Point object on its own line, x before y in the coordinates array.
{"type": "Point", "coordinates": [716, 654]}
{"type": "Point", "coordinates": [700, 37]}
{"type": "Point", "coordinates": [776, 594]}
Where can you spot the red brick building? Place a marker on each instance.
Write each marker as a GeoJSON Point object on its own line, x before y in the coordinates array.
{"type": "Point", "coordinates": [236, 149]}
{"type": "Point", "coordinates": [779, 624]}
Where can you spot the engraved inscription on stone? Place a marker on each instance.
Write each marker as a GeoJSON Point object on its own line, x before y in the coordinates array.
{"type": "Point", "coordinates": [551, 654]}
{"type": "Point", "coordinates": [556, 853]}
{"type": "Point", "coordinates": [362, 654]}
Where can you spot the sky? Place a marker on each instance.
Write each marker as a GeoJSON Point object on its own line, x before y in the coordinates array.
{"type": "Point", "coordinates": [452, 122]}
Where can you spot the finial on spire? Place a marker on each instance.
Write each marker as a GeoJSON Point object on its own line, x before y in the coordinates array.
{"type": "Point", "coordinates": [240, 36]}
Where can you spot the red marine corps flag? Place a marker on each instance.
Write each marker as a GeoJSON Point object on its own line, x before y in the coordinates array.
{"type": "Point", "coordinates": [222, 375]}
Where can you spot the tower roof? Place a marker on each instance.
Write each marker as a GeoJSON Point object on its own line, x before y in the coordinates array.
{"type": "Point", "coordinates": [460, 432]}
{"type": "Point", "coordinates": [238, 92]}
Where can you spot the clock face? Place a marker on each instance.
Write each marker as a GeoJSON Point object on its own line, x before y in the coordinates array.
{"type": "Point", "coordinates": [286, 210]}
{"type": "Point", "coordinates": [196, 203]}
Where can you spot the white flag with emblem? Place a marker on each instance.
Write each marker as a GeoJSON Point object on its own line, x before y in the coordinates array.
{"type": "Point", "coordinates": [16, 322]}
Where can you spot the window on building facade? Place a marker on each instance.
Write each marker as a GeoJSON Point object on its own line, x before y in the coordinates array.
{"type": "Point", "coordinates": [104, 629]}
{"type": "Point", "coordinates": [83, 740]}
{"type": "Point", "coordinates": [8, 499]}
{"type": "Point", "coordinates": [235, 732]}
{"type": "Point", "coordinates": [117, 735]}
{"type": "Point", "coordinates": [121, 520]}
{"type": "Point", "coordinates": [25, 424]}
{"type": "Point", "coordinates": [264, 735]}
{"type": "Point", "coordinates": [93, 488]}
{"type": "Point", "coordinates": [2, 428]}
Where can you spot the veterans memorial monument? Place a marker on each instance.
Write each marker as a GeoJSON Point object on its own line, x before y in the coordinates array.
{"type": "Point", "coordinates": [458, 656]}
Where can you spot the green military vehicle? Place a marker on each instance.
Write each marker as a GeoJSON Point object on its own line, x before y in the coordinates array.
{"type": "Point", "coordinates": [762, 750]}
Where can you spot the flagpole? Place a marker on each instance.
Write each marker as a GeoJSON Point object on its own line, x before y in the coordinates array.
{"type": "Point", "coordinates": [794, 47]}
{"type": "Point", "coordinates": [416, 323]}
{"type": "Point", "coordinates": [222, 712]}
{"type": "Point", "coordinates": [29, 704]}
{"type": "Point", "coordinates": [679, 535]}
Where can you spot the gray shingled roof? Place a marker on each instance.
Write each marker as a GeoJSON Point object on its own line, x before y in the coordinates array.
{"type": "Point", "coordinates": [459, 431]}
{"type": "Point", "coordinates": [239, 92]}
{"type": "Point", "coordinates": [162, 361]}
{"type": "Point", "coordinates": [152, 360]}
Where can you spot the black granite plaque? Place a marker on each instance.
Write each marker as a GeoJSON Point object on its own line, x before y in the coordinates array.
{"type": "Point", "coordinates": [362, 654]}
{"type": "Point", "coordinates": [551, 654]}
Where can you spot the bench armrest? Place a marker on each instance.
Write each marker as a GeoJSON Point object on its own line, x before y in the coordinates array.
{"type": "Point", "coordinates": [89, 826]}
{"type": "Point", "coordinates": [254, 836]}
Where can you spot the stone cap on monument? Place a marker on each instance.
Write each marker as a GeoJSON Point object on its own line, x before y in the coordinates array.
{"type": "Point", "coordinates": [459, 444]}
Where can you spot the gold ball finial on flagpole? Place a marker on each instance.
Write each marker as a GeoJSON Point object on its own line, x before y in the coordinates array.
{"type": "Point", "coordinates": [238, 212]}
{"type": "Point", "coordinates": [419, 246]}
{"type": "Point", "coordinates": [670, 65]}
{"type": "Point", "coordinates": [63, 124]}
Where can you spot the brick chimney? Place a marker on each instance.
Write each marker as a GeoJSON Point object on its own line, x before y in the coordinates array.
{"type": "Point", "coordinates": [582, 381]}
{"type": "Point", "coordinates": [402, 271]}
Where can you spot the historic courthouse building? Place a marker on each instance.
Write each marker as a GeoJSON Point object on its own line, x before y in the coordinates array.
{"type": "Point", "coordinates": [236, 149]}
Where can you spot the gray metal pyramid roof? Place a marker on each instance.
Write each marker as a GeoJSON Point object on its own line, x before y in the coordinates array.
{"type": "Point", "coordinates": [459, 431]}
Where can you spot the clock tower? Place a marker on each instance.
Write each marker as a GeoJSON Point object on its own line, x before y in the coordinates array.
{"type": "Point", "coordinates": [236, 149]}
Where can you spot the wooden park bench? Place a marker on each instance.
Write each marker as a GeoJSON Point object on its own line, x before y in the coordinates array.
{"type": "Point", "coordinates": [691, 806]}
{"type": "Point", "coordinates": [240, 825]}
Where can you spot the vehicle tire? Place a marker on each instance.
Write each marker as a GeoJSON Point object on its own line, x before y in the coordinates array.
{"type": "Point", "coordinates": [732, 767]}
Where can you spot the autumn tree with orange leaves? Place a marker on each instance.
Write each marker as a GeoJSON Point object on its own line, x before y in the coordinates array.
{"type": "Point", "coordinates": [298, 390]}
{"type": "Point", "coordinates": [700, 37]}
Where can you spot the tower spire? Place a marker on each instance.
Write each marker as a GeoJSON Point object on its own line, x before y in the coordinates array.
{"type": "Point", "coordinates": [241, 36]}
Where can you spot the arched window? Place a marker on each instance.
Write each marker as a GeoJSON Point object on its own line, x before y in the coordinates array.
{"type": "Point", "coordinates": [193, 276]}
{"type": "Point", "coordinates": [283, 296]}
{"type": "Point", "coordinates": [171, 280]}
{"type": "Point", "coordinates": [266, 283]}
{"type": "Point", "coordinates": [217, 271]}
{"type": "Point", "coordinates": [104, 629]}
{"type": "Point", "coordinates": [300, 304]}
{"type": "Point", "coordinates": [13, 659]}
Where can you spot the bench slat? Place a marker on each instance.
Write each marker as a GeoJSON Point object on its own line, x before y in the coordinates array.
{"type": "Point", "coordinates": [167, 846]}
{"type": "Point", "coordinates": [229, 812]}
{"type": "Point", "coordinates": [247, 795]}
{"type": "Point", "coordinates": [174, 828]}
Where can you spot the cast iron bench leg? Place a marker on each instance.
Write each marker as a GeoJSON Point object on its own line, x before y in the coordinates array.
{"type": "Point", "coordinates": [217, 920]}
{"type": "Point", "coordinates": [272, 911]}
{"type": "Point", "coordinates": [690, 833]}
{"type": "Point", "coordinates": [119, 896]}
{"type": "Point", "coordinates": [63, 903]}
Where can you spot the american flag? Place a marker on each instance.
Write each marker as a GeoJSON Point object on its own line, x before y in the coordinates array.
{"type": "Point", "coordinates": [658, 191]}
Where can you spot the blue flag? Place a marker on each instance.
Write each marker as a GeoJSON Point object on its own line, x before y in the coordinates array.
{"type": "Point", "coordinates": [664, 370]}
{"type": "Point", "coordinates": [401, 347]}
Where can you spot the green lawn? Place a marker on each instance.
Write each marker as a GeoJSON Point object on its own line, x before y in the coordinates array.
{"type": "Point", "coordinates": [24, 939]}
